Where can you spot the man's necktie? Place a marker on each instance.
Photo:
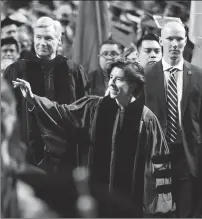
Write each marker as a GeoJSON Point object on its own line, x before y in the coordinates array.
{"type": "Point", "coordinates": [172, 107]}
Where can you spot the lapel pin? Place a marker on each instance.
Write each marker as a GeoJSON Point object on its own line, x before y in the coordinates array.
{"type": "Point", "coordinates": [189, 72]}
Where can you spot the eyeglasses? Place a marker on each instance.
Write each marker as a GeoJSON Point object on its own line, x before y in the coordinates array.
{"type": "Point", "coordinates": [112, 54]}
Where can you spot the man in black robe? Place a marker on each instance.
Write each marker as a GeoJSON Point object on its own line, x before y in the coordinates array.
{"type": "Point", "coordinates": [50, 75]}
{"type": "Point", "coordinates": [123, 139]}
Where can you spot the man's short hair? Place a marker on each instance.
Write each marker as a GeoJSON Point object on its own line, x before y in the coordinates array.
{"type": "Point", "coordinates": [113, 42]}
{"type": "Point", "coordinates": [44, 22]}
{"type": "Point", "coordinates": [149, 36]}
{"type": "Point", "coordinates": [10, 41]}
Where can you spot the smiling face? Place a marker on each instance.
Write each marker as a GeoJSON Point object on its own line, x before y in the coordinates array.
{"type": "Point", "coordinates": [46, 42]}
{"type": "Point", "coordinates": [120, 87]}
{"type": "Point", "coordinates": [173, 41]}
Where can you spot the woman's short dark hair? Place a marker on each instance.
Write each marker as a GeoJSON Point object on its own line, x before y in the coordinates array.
{"type": "Point", "coordinates": [133, 71]}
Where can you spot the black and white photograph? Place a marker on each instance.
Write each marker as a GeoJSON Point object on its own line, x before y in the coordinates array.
{"type": "Point", "coordinates": [101, 109]}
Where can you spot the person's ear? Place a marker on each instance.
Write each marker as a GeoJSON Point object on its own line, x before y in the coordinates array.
{"type": "Point", "coordinates": [59, 41]}
{"type": "Point", "coordinates": [185, 40]}
{"type": "Point", "coordinates": [18, 56]}
{"type": "Point", "coordinates": [160, 41]}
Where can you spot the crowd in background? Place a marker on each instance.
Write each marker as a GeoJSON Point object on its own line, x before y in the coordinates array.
{"type": "Point", "coordinates": [38, 41]}
{"type": "Point", "coordinates": [132, 18]}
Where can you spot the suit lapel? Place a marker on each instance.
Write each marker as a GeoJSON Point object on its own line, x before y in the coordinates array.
{"type": "Point", "coordinates": [187, 73]}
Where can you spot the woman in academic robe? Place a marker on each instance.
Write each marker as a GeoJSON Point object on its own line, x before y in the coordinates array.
{"type": "Point", "coordinates": [124, 143]}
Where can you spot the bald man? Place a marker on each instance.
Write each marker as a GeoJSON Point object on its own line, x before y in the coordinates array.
{"type": "Point", "coordinates": [173, 92]}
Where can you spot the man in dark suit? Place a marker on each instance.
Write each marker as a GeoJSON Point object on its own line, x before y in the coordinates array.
{"type": "Point", "coordinates": [173, 91]}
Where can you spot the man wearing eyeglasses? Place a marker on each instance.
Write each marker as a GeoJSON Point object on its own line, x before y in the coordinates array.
{"type": "Point", "coordinates": [109, 51]}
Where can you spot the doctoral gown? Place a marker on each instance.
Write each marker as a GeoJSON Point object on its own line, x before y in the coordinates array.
{"type": "Point", "coordinates": [120, 145]}
{"type": "Point", "coordinates": [59, 79]}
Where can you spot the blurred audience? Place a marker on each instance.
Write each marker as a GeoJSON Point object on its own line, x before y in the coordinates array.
{"type": "Point", "coordinates": [10, 49]}
{"type": "Point", "coordinates": [17, 197]}
{"type": "Point", "coordinates": [64, 14]}
{"type": "Point", "coordinates": [131, 53]}
{"type": "Point", "coordinates": [5, 62]}
{"type": "Point", "coordinates": [9, 28]}
{"type": "Point", "coordinates": [25, 38]}
{"type": "Point", "coordinates": [134, 18]}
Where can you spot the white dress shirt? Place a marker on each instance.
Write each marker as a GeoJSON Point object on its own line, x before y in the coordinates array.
{"type": "Point", "coordinates": [179, 79]}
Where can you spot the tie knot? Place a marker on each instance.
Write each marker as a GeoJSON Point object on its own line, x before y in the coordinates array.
{"type": "Point", "coordinates": [172, 70]}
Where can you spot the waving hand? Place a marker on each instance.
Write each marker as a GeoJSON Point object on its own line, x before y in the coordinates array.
{"type": "Point", "coordinates": [25, 89]}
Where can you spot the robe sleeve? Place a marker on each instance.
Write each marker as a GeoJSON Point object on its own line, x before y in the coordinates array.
{"type": "Point", "coordinates": [62, 124]}
{"type": "Point", "coordinates": [82, 82]}
{"type": "Point", "coordinates": [157, 185]}
{"type": "Point", "coordinates": [75, 115]}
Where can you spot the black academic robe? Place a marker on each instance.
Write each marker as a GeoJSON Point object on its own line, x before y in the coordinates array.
{"type": "Point", "coordinates": [98, 82]}
{"type": "Point", "coordinates": [120, 145]}
{"type": "Point", "coordinates": [59, 80]}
